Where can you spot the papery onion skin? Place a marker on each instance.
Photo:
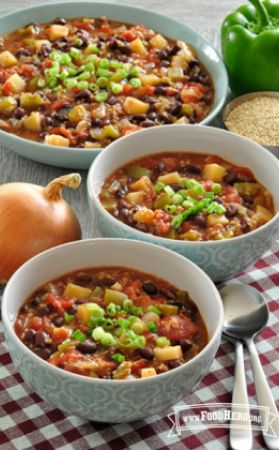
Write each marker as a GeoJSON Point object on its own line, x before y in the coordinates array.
{"type": "Point", "coordinates": [33, 220]}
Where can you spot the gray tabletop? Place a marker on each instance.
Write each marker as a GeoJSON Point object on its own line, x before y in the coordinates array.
{"type": "Point", "coordinates": [203, 15]}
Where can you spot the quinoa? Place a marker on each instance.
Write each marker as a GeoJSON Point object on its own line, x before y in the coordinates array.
{"type": "Point", "coordinates": [256, 119]}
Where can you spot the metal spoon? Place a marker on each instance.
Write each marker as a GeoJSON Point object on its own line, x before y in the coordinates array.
{"type": "Point", "coordinates": [246, 315]}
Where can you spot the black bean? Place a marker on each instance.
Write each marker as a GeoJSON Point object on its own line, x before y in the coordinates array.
{"type": "Point", "coordinates": [163, 54]}
{"type": "Point", "coordinates": [207, 100]}
{"type": "Point", "coordinates": [29, 335]}
{"type": "Point", "coordinates": [52, 308]}
{"type": "Point", "coordinates": [113, 44]}
{"type": "Point", "coordinates": [61, 117]}
{"type": "Point", "coordinates": [60, 21]}
{"type": "Point", "coordinates": [24, 308]}
{"type": "Point", "coordinates": [152, 108]}
{"type": "Point", "coordinates": [43, 134]}
{"type": "Point", "coordinates": [126, 49]}
{"type": "Point", "coordinates": [200, 220]}
{"type": "Point", "coordinates": [141, 227]}
{"type": "Point", "coordinates": [152, 115]}
{"type": "Point", "coordinates": [83, 94]}
{"type": "Point", "coordinates": [124, 213]}
{"type": "Point", "coordinates": [165, 118]}
{"type": "Point", "coordinates": [149, 288]}
{"type": "Point", "coordinates": [96, 122]}
{"type": "Point", "coordinates": [232, 210]}
{"type": "Point", "coordinates": [191, 119]}
{"type": "Point", "coordinates": [160, 90]}
{"type": "Point", "coordinates": [87, 347]}
{"type": "Point", "coordinates": [120, 193]}
{"type": "Point", "coordinates": [115, 213]}
{"type": "Point", "coordinates": [110, 352]}
{"type": "Point", "coordinates": [69, 124]}
{"type": "Point", "coordinates": [160, 167]}
{"type": "Point", "coordinates": [122, 204]}
{"type": "Point", "coordinates": [45, 50]}
{"type": "Point", "coordinates": [147, 124]}
{"type": "Point", "coordinates": [130, 222]}
{"type": "Point", "coordinates": [175, 49]}
{"type": "Point", "coordinates": [43, 310]}
{"type": "Point", "coordinates": [176, 187]}
{"type": "Point", "coordinates": [248, 199]}
{"type": "Point", "coordinates": [48, 121]}
{"type": "Point", "coordinates": [245, 226]}
{"type": "Point", "coordinates": [193, 62]}
{"type": "Point", "coordinates": [81, 301]}
{"type": "Point", "coordinates": [36, 301]}
{"type": "Point", "coordinates": [230, 178]}
{"type": "Point", "coordinates": [106, 282]}
{"type": "Point", "coordinates": [43, 353]}
{"type": "Point", "coordinates": [164, 63]}
{"type": "Point", "coordinates": [195, 77]}
{"type": "Point", "coordinates": [61, 43]}
{"type": "Point", "coordinates": [58, 321]}
{"type": "Point", "coordinates": [205, 80]}
{"type": "Point", "coordinates": [166, 292]}
{"type": "Point", "coordinates": [23, 52]}
{"type": "Point", "coordinates": [218, 200]}
{"type": "Point", "coordinates": [175, 108]}
{"type": "Point", "coordinates": [185, 344]}
{"type": "Point", "coordinates": [72, 310]}
{"type": "Point", "coordinates": [146, 353]}
{"type": "Point", "coordinates": [177, 96]}
{"type": "Point", "coordinates": [194, 169]}
{"type": "Point", "coordinates": [105, 122]}
{"type": "Point", "coordinates": [41, 339]}
{"type": "Point", "coordinates": [175, 363]}
{"type": "Point", "coordinates": [139, 117]}
{"type": "Point", "coordinates": [144, 98]}
{"type": "Point", "coordinates": [190, 306]}
{"type": "Point", "coordinates": [19, 113]}
{"type": "Point", "coordinates": [112, 100]}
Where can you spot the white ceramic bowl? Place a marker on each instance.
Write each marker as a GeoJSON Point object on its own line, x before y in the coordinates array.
{"type": "Point", "coordinates": [111, 400]}
{"type": "Point", "coordinates": [219, 259]}
{"type": "Point", "coordinates": [79, 158]}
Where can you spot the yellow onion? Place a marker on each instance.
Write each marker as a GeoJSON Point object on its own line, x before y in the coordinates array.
{"type": "Point", "coordinates": [34, 219]}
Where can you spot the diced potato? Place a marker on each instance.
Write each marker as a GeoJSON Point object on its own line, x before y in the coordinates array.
{"type": "Point", "coordinates": [138, 47]}
{"type": "Point", "coordinates": [116, 297]}
{"type": "Point", "coordinates": [7, 59]}
{"type": "Point", "coordinates": [170, 178]}
{"type": "Point", "coordinates": [168, 353]}
{"type": "Point", "coordinates": [182, 121]}
{"type": "Point", "coordinates": [34, 122]}
{"type": "Point", "coordinates": [85, 310]}
{"type": "Point", "coordinates": [148, 372]}
{"type": "Point", "coordinates": [77, 114]}
{"type": "Point", "coordinates": [175, 73]}
{"type": "Point", "coordinates": [144, 184]}
{"type": "Point", "coordinates": [4, 124]}
{"type": "Point", "coordinates": [28, 100]}
{"type": "Point", "coordinates": [41, 42]}
{"type": "Point", "coordinates": [144, 215]}
{"type": "Point", "coordinates": [213, 219]}
{"type": "Point", "coordinates": [158, 41]}
{"type": "Point", "coordinates": [134, 106]}
{"type": "Point", "coordinates": [58, 141]}
{"type": "Point", "coordinates": [88, 144]}
{"type": "Point", "coordinates": [187, 51]}
{"type": "Point", "coordinates": [57, 31]}
{"type": "Point", "coordinates": [17, 83]}
{"type": "Point", "coordinates": [73, 290]}
{"type": "Point", "coordinates": [266, 215]}
{"type": "Point", "coordinates": [148, 80]}
{"type": "Point", "coordinates": [213, 172]}
{"type": "Point", "coordinates": [178, 61]}
{"type": "Point", "coordinates": [135, 198]}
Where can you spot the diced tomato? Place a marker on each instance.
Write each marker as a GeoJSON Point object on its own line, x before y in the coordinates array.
{"type": "Point", "coordinates": [207, 185]}
{"type": "Point", "coordinates": [59, 335]}
{"type": "Point", "coordinates": [4, 75]}
{"type": "Point", "coordinates": [213, 159]}
{"type": "Point", "coordinates": [150, 337]}
{"type": "Point", "coordinates": [141, 30]}
{"type": "Point", "coordinates": [153, 57]}
{"type": "Point", "coordinates": [66, 132]}
{"type": "Point", "coordinates": [171, 165]}
{"type": "Point", "coordinates": [138, 365]}
{"type": "Point", "coordinates": [18, 326]}
{"type": "Point", "coordinates": [37, 323]}
{"type": "Point", "coordinates": [123, 316]}
{"type": "Point", "coordinates": [177, 327]}
{"type": "Point", "coordinates": [130, 129]}
{"type": "Point", "coordinates": [243, 171]}
{"type": "Point", "coordinates": [58, 104]}
{"type": "Point", "coordinates": [197, 86]}
{"type": "Point", "coordinates": [190, 95]}
{"type": "Point", "coordinates": [45, 321]}
{"type": "Point", "coordinates": [83, 26]}
{"type": "Point", "coordinates": [28, 69]}
{"type": "Point", "coordinates": [165, 228]}
{"type": "Point", "coordinates": [7, 88]}
{"type": "Point", "coordinates": [144, 302]}
{"type": "Point", "coordinates": [130, 36]}
{"type": "Point", "coordinates": [159, 214]}
{"type": "Point", "coordinates": [60, 303]}
{"type": "Point", "coordinates": [70, 353]}
{"type": "Point", "coordinates": [232, 196]}
{"type": "Point", "coordinates": [127, 88]}
{"type": "Point", "coordinates": [149, 90]}
{"type": "Point", "coordinates": [134, 289]}
{"type": "Point", "coordinates": [47, 64]}
{"type": "Point", "coordinates": [171, 91]}
{"type": "Point", "coordinates": [105, 28]}
{"type": "Point", "coordinates": [137, 92]}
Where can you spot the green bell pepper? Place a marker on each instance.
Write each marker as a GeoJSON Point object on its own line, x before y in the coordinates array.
{"type": "Point", "coordinates": [250, 47]}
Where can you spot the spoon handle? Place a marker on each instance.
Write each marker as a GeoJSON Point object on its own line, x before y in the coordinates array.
{"type": "Point", "coordinates": [240, 437]}
{"type": "Point", "coordinates": [265, 398]}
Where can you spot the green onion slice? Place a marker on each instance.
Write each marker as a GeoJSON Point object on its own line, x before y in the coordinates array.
{"type": "Point", "coordinates": [118, 357]}
{"type": "Point", "coordinates": [137, 328]}
{"type": "Point", "coordinates": [162, 341]}
{"type": "Point", "coordinates": [128, 305]}
{"type": "Point", "coordinates": [216, 188]}
{"type": "Point", "coordinates": [159, 187]}
{"type": "Point", "coordinates": [151, 326]}
{"type": "Point", "coordinates": [177, 221]}
{"type": "Point", "coordinates": [123, 322]}
{"type": "Point", "coordinates": [78, 335]}
{"type": "Point", "coordinates": [154, 310]}
{"type": "Point", "coordinates": [107, 340]}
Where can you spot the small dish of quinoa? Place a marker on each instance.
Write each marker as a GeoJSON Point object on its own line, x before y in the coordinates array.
{"type": "Point", "coordinates": [255, 116]}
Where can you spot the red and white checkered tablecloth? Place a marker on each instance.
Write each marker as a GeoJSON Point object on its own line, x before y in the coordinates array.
{"type": "Point", "coordinates": [27, 422]}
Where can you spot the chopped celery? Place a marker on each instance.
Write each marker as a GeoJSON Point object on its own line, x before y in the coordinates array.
{"type": "Point", "coordinates": [162, 201]}
{"type": "Point", "coordinates": [104, 195]}
{"type": "Point", "coordinates": [191, 235]}
{"type": "Point", "coordinates": [26, 32]}
{"type": "Point", "coordinates": [97, 292]}
{"type": "Point", "coordinates": [110, 204]}
{"type": "Point", "coordinates": [245, 188]}
{"type": "Point", "coordinates": [33, 84]}
{"type": "Point", "coordinates": [110, 132]}
{"type": "Point", "coordinates": [116, 297]}
{"type": "Point", "coordinates": [172, 234]}
{"type": "Point", "coordinates": [114, 186]}
{"type": "Point", "coordinates": [64, 347]}
{"type": "Point", "coordinates": [28, 100]}
{"type": "Point", "coordinates": [168, 310]}
{"type": "Point", "coordinates": [187, 110]}
{"type": "Point", "coordinates": [8, 103]}
{"type": "Point", "coordinates": [182, 295]}
{"type": "Point", "coordinates": [137, 172]}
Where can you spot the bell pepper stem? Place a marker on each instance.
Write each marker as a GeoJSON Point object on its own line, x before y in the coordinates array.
{"type": "Point", "coordinates": [263, 16]}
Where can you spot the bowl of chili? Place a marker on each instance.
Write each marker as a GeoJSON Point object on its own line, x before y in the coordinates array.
{"type": "Point", "coordinates": [71, 82]}
{"type": "Point", "coordinates": [205, 193]}
{"type": "Point", "coordinates": [33, 329]}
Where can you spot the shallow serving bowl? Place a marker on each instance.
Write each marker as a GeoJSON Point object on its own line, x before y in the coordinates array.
{"type": "Point", "coordinates": [82, 158]}
{"type": "Point", "coordinates": [111, 400]}
{"type": "Point", "coordinates": [219, 259]}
